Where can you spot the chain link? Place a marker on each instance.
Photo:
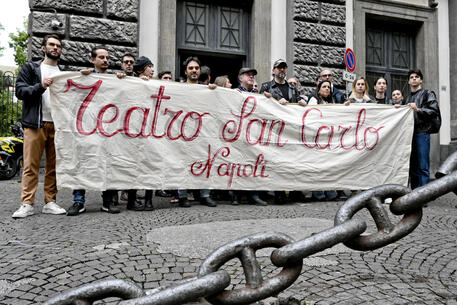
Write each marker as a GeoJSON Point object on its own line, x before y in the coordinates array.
{"type": "Point", "coordinates": [89, 293]}
{"type": "Point", "coordinates": [211, 282]}
{"type": "Point", "coordinates": [257, 288]}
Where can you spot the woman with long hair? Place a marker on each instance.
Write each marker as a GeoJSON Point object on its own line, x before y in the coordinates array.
{"type": "Point", "coordinates": [323, 93]}
{"type": "Point", "coordinates": [359, 92]}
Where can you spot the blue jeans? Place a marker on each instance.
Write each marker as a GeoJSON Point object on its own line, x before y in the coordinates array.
{"type": "Point", "coordinates": [79, 196]}
{"type": "Point", "coordinates": [321, 195]}
{"type": "Point", "coordinates": [183, 193]}
{"type": "Point", "coordinates": [419, 169]}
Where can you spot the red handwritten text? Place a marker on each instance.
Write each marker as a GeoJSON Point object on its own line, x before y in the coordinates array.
{"type": "Point", "coordinates": [183, 123]}
{"type": "Point", "coordinates": [361, 138]}
{"type": "Point", "coordinates": [256, 170]}
{"type": "Point", "coordinates": [232, 129]}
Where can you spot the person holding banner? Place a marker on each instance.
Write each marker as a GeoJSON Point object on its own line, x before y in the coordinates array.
{"type": "Point", "coordinates": [338, 96]}
{"type": "Point", "coordinates": [100, 59]}
{"type": "Point", "coordinates": [359, 92]}
{"type": "Point", "coordinates": [192, 71]}
{"type": "Point", "coordinates": [32, 86]}
{"type": "Point", "coordinates": [397, 98]}
{"type": "Point", "coordinates": [323, 94]}
{"type": "Point", "coordinates": [127, 64]}
{"type": "Point", "coordinates": [285, 93]}
{"type": "Point", "coordinates": [279, 88]}
{"type": "Point", "coordinates": [427, 120]}
{"type": "Point", "coordinates": [143, 68]}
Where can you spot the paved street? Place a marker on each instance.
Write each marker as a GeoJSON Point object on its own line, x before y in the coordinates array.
{"type": "Point", "coordinates": [43, 255]}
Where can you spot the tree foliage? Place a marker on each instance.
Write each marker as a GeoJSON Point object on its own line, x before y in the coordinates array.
{"type": "Point", "coordinates": [18, 41]}
{"type": "Point", "coordinates": [1, 47]}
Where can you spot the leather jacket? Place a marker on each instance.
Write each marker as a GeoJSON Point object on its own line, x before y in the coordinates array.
{"type": "Point", "coordinates": [427, 104]}
{"type": "Point", "coordinates": [273, 88]}
{"type": "Point", "coordinates": [30, 90]}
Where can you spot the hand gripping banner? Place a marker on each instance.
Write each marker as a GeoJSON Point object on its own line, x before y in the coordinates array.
{"type": "Point", "coordinates": [133, 134]}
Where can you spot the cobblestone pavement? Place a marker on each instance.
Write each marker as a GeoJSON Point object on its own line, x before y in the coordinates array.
{"type": "Point", "coordinates": [43, 255]}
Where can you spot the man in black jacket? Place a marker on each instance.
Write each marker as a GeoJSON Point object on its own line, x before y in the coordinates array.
{"type": "Point", "coordinates": [279, 88]}
{"type": "Point", "coordinates": [32, 88]}
{"type": "Point", "coordinates": [425, 107]}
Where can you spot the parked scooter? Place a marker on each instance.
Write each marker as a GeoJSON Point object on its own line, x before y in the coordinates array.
{"type": "Point", "coordinates": [11, 152]}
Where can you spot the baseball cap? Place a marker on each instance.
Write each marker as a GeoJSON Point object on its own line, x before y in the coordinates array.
{"type": "Point", "coordinates": [280, 62]}
{"type": "Point", "coordinates": [245, 70]}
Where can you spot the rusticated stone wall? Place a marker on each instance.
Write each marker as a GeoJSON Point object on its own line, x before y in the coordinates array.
{"type": "Point", "coordinates": [112, 23]}
{"type": "Point", "coordinates": [319, 39]}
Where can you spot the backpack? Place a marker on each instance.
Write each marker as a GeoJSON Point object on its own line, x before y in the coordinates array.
{"type": "Point", "coordinates": [436, 119]}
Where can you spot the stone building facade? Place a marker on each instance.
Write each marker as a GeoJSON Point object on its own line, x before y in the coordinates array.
{"type": "Point", "coordinates": [387, 36]}
{"type": "Point", "coordinates": [85, 24]}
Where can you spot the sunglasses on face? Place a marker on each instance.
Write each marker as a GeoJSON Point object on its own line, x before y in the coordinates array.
{"type": "Point", "coordinates": [128, 62]}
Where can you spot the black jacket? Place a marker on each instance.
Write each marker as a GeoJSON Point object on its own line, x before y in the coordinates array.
{"type": "Point", "coordinates": [29, 89]}
{"type": "Point", "coordinates": [428, 108]}
{"type": "Point", "coordinates": [273, 88]}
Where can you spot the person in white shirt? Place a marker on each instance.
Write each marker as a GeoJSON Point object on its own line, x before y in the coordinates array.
{"type": "Point", "coordinates": [32, 88]}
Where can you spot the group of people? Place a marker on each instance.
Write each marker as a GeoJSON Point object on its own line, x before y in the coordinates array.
{"type": "Point", "coordinates": [35, 78]}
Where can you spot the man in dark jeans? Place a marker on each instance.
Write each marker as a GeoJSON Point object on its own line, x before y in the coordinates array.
{"type": "Point", "coordinates": [425, 107]}
{"type": "Point", "coordinates": [100, 59]}
{"type": "Point", "coordinates": [192, 71]}
{"type": "Point", "coordinates": [285, 93]}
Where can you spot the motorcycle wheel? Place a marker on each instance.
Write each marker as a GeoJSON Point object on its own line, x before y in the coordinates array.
{"type": "Point", "coordinates": [9, 170]}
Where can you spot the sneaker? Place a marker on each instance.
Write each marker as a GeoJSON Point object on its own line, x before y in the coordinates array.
{"type": "Point", "coordinates": [24, 211]}
{"type": "Point", "coordinates": [109, 207]}
{"type": "Point", "coordinates": [76, 209]}
{"type": "Point", "coordinates": [53, 208]}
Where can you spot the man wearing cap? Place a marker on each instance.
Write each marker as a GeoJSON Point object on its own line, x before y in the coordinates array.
{"type": "Point", "coordinates": [279, 88]}
{"type": "Point", "coordinates": [246, 77]}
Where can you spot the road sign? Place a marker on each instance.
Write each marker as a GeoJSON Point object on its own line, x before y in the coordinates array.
{"type": "Point", "coordinates": [349, 59]}
{"type": "Point", "coordinates": [349, 76]}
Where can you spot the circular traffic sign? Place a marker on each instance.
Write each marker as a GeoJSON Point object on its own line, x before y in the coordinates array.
{"type": "Point", "coordinates": [349, 59]}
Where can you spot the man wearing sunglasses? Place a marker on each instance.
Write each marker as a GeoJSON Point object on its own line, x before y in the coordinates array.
{"type": "Point", "coordinates": [127, 64]}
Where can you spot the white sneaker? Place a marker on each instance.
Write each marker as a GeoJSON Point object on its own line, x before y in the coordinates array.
{"type": "Point", "coordinates": [53, 208]}
{"type": "Point", "coordinates": [24, 211]}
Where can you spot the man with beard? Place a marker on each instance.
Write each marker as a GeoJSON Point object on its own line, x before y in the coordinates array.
{"type": "Point", "coordinates": [32, 88]}
{"type": "Point", "coordinates": [192, 71]}
{"type": "Point", "coordinates": [285, 93]}
{"type": "Point", "coordinates": [100, 58]}
{"type": "Point", "coordinates": [279, 88]}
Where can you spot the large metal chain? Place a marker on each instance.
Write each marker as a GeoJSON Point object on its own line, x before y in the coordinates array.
{"type": "Point", "coordinates": [211, 282]}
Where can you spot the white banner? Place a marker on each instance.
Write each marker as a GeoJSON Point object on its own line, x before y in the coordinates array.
{"type": "Point", "coordinates": [134, 134]}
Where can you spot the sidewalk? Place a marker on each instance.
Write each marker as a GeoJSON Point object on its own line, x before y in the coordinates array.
{"type": "Point", "coordinates": [43, 255]}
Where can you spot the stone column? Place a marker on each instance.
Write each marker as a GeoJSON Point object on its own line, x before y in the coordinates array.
{"type": "Point", "coordinates": [453, 66]}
